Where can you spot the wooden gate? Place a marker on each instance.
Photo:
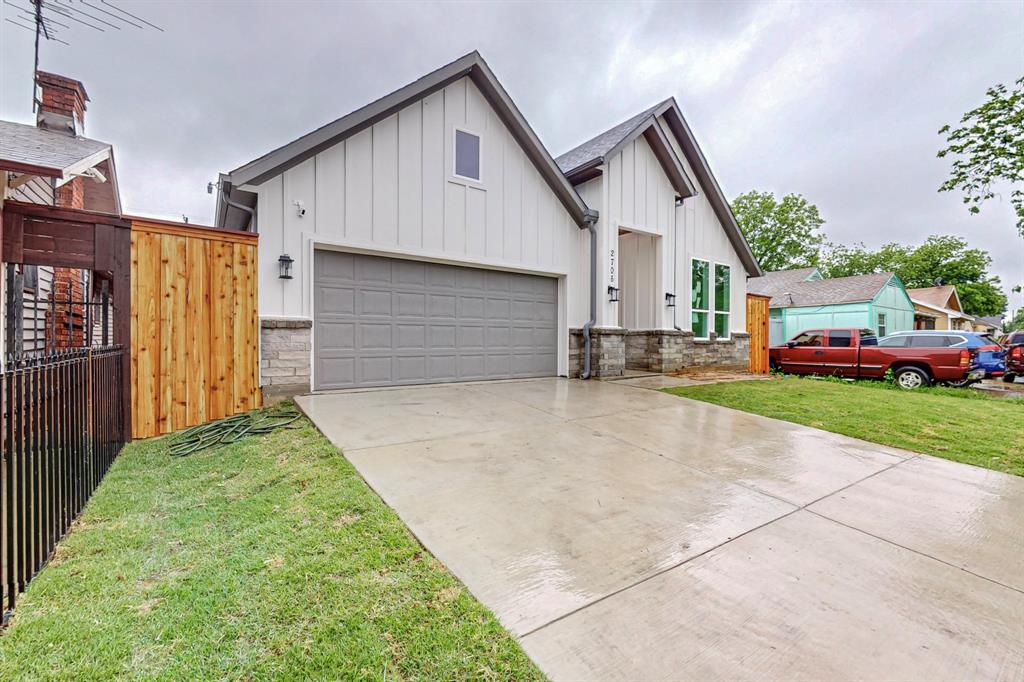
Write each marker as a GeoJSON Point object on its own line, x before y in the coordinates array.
{"type": "Point", "coordinates": [757, 327]}
{"type": "Point", "coordinates": [195, 330]}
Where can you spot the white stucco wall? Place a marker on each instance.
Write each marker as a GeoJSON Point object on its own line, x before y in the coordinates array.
{"type": "Point", "coordinates": [391, 190]}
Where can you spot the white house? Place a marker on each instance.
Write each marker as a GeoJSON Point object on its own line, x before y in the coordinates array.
{"type": "Point", "coordinates": [429, 237]}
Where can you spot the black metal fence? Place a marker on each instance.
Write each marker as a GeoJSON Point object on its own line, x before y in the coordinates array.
{"type": "Point", "coordinates": [61, 426]}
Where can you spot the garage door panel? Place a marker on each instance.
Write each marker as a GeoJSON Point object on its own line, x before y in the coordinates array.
{"type": "Point", "coordinates": [335, 300]}
{"type": "Point", "coordinates": [374, 302]}
{"type": "Point", "coordinates": [498, 308]}
{"type": "Point", "coordinates": [341, 370]}
{"type": "Point", "coordinates": [472, 367]}
{"type": "Point", "coordinates": [443, 305]}
{"type": "Point", "coordinates": [498, 338]}
{"type": "Point", "coordinates": [381, 321]}
{"type": "Point", "coordinates": [443, 368]}
{"type": "Point", "coordinates": [336, 336]}
{"type": "Point", "coordinates": [410, 272]}
{"type": "Point", "coordinates": [332, 265]}
{"type": "Point", "coordinates": [443, 337]}
{"type": "Point", "coordinates": [471, 338]}
{"type": "Point", "coordinates": [441, 276]}
{"type": "Point", "coordinates": [411, 370]}
{"type": "Point", "coordinates": [498, 281]}
{"type": "Point", "coordinates": [411, 337]}
{"type": "Point", "coordinates": [374, 270]}
{"type": "Point", "coordinates": [374, 370]}
{"type": "Point", "coordinates": [408, 304]}
{"type": "Point", "coordinates": [471, 307]}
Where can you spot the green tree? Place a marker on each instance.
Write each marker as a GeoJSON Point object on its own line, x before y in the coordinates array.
{"type": "Point", "coordinates": [1016, 323]}
{"type": "Point", "coordinates": [945, 258]}
{"type": "Point", "coordinates": [782, 234]}
{"type": "Point", "coordinates": [988, 147]}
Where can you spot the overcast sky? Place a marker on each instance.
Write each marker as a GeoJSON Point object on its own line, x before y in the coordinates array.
{"type": "Point", "coordinates": [838, 102]}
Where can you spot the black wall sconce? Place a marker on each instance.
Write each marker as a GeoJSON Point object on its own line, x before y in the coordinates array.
{"type": "Point", "coordinates": [284, 264]}
{"type": "Point", "coordinates": [613, 294]}
{"type": "Point", "coordinates": [670, 300]}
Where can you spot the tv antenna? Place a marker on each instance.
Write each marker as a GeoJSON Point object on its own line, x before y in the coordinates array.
{"type": "Point", "coordinates": [55, 20]}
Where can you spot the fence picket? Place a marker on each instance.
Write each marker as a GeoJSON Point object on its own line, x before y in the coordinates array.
{"type": "Point", "coordinates": [61, 424]}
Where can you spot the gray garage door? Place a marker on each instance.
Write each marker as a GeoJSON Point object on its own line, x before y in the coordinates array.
{"type": "Point", "coordinates": [388, 321]}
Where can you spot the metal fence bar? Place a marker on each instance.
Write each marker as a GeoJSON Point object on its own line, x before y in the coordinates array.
{"type": "Point", "coordinates": [61, 427]}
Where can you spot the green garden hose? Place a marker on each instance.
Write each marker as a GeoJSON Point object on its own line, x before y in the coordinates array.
{"type": "Point", "coordinates": [229, 430]}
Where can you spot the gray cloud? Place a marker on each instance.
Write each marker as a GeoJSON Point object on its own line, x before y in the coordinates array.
{"type": "Point", "coordinates": [838, 102]}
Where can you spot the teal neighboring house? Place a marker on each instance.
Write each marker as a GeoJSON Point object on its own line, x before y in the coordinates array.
{"type": "Point", "coordinates": [802, 299]}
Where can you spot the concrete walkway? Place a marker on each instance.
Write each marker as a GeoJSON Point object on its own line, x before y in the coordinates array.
{"type": "Point", "coordinates": [623, 533]}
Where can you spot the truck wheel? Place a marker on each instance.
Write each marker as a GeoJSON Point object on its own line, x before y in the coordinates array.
{"type": "Point", "coordinates": [911, 378]}
{"type": "Point", "coordinates": [1009, 378]}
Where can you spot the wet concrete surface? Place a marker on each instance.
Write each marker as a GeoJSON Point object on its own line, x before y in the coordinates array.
{"type": "Point", "coordinates": [622, 533]}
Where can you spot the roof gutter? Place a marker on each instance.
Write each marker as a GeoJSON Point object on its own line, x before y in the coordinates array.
{"type": "Point", "coordinates": [223, 196]}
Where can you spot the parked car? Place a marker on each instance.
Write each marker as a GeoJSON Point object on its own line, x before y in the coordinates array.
{"type": "Point", "coordinates": [986, 353]}
{"type": "Point", "coordinates": [860, 354]}
{"type": "Point", "coordinates": [1014, 345]}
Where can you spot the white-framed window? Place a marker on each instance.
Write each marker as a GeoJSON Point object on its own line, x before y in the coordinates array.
{"type": "Point", "coordinates": [467, 158]}
{"type": "Point", "coordinates": [700, 297]}
{"type": "Point", "coordinates": [881, 324]}
{"type": "Point", "coordinates": [723, 294]}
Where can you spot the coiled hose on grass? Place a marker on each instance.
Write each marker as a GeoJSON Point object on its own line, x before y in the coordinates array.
{"type": "Point", "coordinates": [229, 430]}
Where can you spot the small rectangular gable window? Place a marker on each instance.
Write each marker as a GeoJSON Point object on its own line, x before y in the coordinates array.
{"type": "Point", "coordinates": [467, 155]}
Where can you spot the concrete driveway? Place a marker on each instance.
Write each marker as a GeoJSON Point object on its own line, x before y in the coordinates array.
{"type": "Point", "coordinates": [622, 533]}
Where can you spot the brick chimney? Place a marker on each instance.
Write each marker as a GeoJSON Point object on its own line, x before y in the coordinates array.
{"type": "Point", "coordinates": [61, 103]}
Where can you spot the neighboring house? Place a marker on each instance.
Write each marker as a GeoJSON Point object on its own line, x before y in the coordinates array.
{"type": "Point", "coordinates": [430, 237]}
{"type": "Point", "coordinates": [52, 164]}
{"type": "Point", "coordinates": [802, 299]}
{"type": "Point", "coordinates": [939, 308]}
{"type": "Point", "coordinates": [987, 325]}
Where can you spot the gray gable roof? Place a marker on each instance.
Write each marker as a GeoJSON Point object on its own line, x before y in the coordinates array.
{"type": "Point", "coordinates": [778, 280]}
{"type": "Point", "coordinates": [597, 147]}
{"type": "Point", "coordinates": [789, 290]}
{"type": "Point", "coordinates": [472, 65]}
{"type": "Point", "coordinates": [28, 149]}
{"type": "Point", "coordinates": [591, 153]}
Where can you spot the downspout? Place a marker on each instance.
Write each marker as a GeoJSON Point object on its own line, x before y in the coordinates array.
{"type": "Point", "coordinates": [675, 260]}
{"type": "Point", "coordinates": [590, 223]}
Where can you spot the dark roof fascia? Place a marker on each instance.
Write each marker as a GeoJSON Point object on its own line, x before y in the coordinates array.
{"type": "Point", "coordinates": [677, 124]}
{"type": "Point", "coordinates": [587, 171]}
{"type": "Point", "coordinates": [666, 156]}
{"type": "Point", "coordinates": [472, 65]}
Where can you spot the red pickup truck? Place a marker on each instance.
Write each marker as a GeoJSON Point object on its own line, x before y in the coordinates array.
{"type": "Point", "coordinates": [859, 354]}
{"type": "Point", "coordinates": [1014, 343]}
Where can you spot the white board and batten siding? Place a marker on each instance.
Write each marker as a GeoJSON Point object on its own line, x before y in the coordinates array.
{"type": "Point", "coordinates": [638, 196]}
{"type": "Point", "coordinates": [703, 236]}
{"type": "Point", "coordinates": [390, 190]}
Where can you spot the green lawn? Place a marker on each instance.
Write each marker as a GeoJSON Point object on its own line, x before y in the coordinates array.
{"type": "Point", "coordinates": [963, 425]}
{"type": "Point", "coordinates": [267, 558]}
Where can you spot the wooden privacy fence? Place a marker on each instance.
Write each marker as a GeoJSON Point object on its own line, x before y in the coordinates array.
{"type": "Point", "coordinates": [194, 325]}
{"type": "Point", "coordinates": [61, 425]}
{"type": "Point", "coordinates": [757, 327]}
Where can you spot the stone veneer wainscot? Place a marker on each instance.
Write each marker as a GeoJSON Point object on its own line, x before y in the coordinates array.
{"type": "Point", "coordinates": [285, 353]}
